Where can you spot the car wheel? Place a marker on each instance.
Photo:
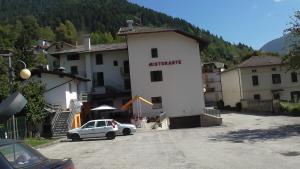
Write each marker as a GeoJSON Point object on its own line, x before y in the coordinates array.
{"type": "Point", "coordinates": [111, 135]}
{"type": "Point", "coordinates": [126, 131]}
{"type": "Point", "coordinates": [75, 137]}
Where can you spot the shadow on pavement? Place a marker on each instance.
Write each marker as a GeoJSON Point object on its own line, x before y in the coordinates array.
{"type": "Point", "coordinates": [240, 136]}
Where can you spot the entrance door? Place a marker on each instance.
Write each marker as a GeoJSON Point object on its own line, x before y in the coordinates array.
{"type": "Point", "coordinates": [295, 96]}
{"type": "Point", "coordinates": [126, 67]}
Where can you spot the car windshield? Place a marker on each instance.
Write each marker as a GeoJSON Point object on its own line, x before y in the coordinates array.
{"type": "Point", "coordinates": [19, 155]}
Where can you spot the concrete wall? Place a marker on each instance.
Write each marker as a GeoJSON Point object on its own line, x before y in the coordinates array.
{"type": "Point", "coordinates": [231, 87]}
{"type": "Point", "coordinates": [209, 120]}
{"type": "Point", "coordinates": [181, 89]}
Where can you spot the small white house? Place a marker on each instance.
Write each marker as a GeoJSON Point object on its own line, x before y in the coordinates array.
{"type": "Point", "coordinates": [61, 87]}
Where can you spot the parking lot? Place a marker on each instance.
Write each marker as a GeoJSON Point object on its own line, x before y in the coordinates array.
{"type": "Point", "coordinates": [244, 141]}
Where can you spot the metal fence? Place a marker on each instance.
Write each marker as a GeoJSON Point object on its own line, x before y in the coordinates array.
{"type": "Point", "coordinates": [6, 129]}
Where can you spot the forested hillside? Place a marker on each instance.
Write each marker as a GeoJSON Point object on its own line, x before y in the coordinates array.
{"type": "Point", "coordinates": [103, 18]}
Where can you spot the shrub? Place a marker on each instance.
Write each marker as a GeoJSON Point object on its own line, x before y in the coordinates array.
{"type": "Point", "coordinates": [220, 104]}
{"type": "Point", "coordinates": [238, 106]}
{"type": "Point", "coordinates": [291, 108]}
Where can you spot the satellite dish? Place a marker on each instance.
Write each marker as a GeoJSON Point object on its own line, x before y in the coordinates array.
{"type": "Point", "coordinates": [12, 105]}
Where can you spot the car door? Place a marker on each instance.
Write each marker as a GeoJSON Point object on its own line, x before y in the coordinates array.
{"type": "Point", "coordinates": [100, 129]}
{"type": "Point", "coordinates": [87, 130]}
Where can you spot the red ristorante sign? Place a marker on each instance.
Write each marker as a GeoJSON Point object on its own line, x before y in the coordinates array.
{"type": "Point", "coordinates": [165, 63]}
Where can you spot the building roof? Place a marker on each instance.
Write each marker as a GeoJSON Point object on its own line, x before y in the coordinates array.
{"type": "Point", "coordinates": [218, 65]}
{"type": "Point", "coordinates": [144, 30]}
{"type": "Point", "coordinates": [39, 71]}
{"type": "Point", "coordinates": [94, 48]}
{"type": "Point", "coordinates": [256, 61]}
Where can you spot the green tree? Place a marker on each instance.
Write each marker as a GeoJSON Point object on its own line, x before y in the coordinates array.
{"type": "Point", "coordinates": [66, 32]}
{"type": "Point", "coordinates": [35, 113]}
{"type": "Point", "coordinates": [46, 33]}
{"type": "Point", "coordinates": [293, 58]}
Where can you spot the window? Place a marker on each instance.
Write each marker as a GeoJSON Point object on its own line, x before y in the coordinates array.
{"type": "Point", "coordinates": [295, 96]}
{"type": "Point", "coordinates": [254, 70]}
{"type": "Point", "coordinates": [99, 59]}
{"type": "Point", "coordinates": [274, 69]}
{"type": "Point", "coordinates": [73, 57]}
{"type": "Point", "coordinates": [74, 70]}
{"type": "Point", "coordinates": [89, 125]}
{"type": "Point", "coordinates": [126, 67]}
{"type": "Point", "coordinates": [127, 84]}
{"type": "Point", "coordinates": [255, 80]}
{"type": "Point", "coordinates": [257, 97]}
{"type": "Point", "coordinates": [157, 103]}
{"type": "Point", "coordinates": [100, 124]}
{"type": "Point", "coordinates": [294, 77]}
{"type": "Point", "coordinates": [20, 155]}
{"type": "Point", "coordinates": [115, 63]}
{"type": "Point", "coordinates": [276, 78]}
{"type": "Point", "coordinates": [99, 79]}
{"type": "Point", "coordinates": [154, 53]}
{"type": "Point", "coordinates": [156, 76]}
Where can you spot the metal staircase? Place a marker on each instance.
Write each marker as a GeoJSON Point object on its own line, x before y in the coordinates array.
{"type": "Point", "coordinates": [60, 121]}
{"type": "Point", "coordinates": [61, 124]}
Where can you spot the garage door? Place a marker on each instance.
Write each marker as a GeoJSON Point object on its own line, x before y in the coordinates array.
{"type": "Point", "coordinates": [185, 122]}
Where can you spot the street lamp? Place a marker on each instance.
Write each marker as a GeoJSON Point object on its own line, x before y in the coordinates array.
{"type": "Point", "coordinates": [24, 74]}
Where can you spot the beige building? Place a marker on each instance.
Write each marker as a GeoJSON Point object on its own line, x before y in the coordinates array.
{"type": "Point", "coordinates": [260, 79]}
{"type": "Point", "coordinates": [211, 75]}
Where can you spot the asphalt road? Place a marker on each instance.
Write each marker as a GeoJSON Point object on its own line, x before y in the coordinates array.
{"type": "Point", "coordinates": [244, 141]}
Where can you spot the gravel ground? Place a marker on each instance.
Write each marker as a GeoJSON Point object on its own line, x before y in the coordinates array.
{"type": "Point", "coordinates": [244, 141]}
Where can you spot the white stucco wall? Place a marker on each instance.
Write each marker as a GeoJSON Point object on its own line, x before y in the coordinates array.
{"type": "Point", "coordinates": [265, 83]}
{"type": "Point", "coordinates": [112, 74]}
{"type": "Point", "coordinates": [181, 89]}
{"type": "Point", "coordinates": [60, 95]}
{"type": "Point", "coordinates": [231, 87]}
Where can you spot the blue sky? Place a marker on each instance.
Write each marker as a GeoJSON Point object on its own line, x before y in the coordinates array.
{"type": "Point", "coordinates": [252, 22]}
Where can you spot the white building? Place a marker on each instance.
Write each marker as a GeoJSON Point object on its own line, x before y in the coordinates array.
{"type": "Point", "coordinates": [61, 87]}
{"type": "Point", "coordinates": [260, 78]}
{"type": "Point", "coordinates": [211, 74]}
{"type": "Point", "coordinates": [161, 65]}
{"type": "Point", "coordinates": [165, 68]}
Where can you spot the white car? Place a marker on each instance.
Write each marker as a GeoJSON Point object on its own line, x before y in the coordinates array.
{"type": "Point", "coordinates": [125, 129]}
{"type": "Point", "coordinates": [94, 128]}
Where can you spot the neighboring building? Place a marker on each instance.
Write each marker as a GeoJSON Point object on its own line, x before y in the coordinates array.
{"type": "Point", "coordinates": [107, 66]}
{"type": "Point", "coordinates": [158, 64]}
{"type": "Point", "coordinates": [260, 79]}
{"type": "Point", "coordinates": [211, 73]}
{"type": "Point", "coordinates": [61, 87]}
{"type": "Point", "coordinates": [165, 68]}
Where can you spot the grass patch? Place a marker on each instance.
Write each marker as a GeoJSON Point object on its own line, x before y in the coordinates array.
{"type": "Point", "coordinates": [293, 108]}
{"type": "Point", "coordinates": [34, 142]}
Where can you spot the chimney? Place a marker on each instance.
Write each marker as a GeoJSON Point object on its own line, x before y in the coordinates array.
{"type": "Point", "coordinates": [130, 24]}
{"type": "Point", "coordinates": [87, 42]}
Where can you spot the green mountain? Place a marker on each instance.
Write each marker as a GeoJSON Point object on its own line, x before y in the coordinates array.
{"type": "Point", "coordinates": [109, 16]}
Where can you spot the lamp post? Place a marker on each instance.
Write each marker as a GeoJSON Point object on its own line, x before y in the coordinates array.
{"type": "Point", "coordinates": [24, 74]}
